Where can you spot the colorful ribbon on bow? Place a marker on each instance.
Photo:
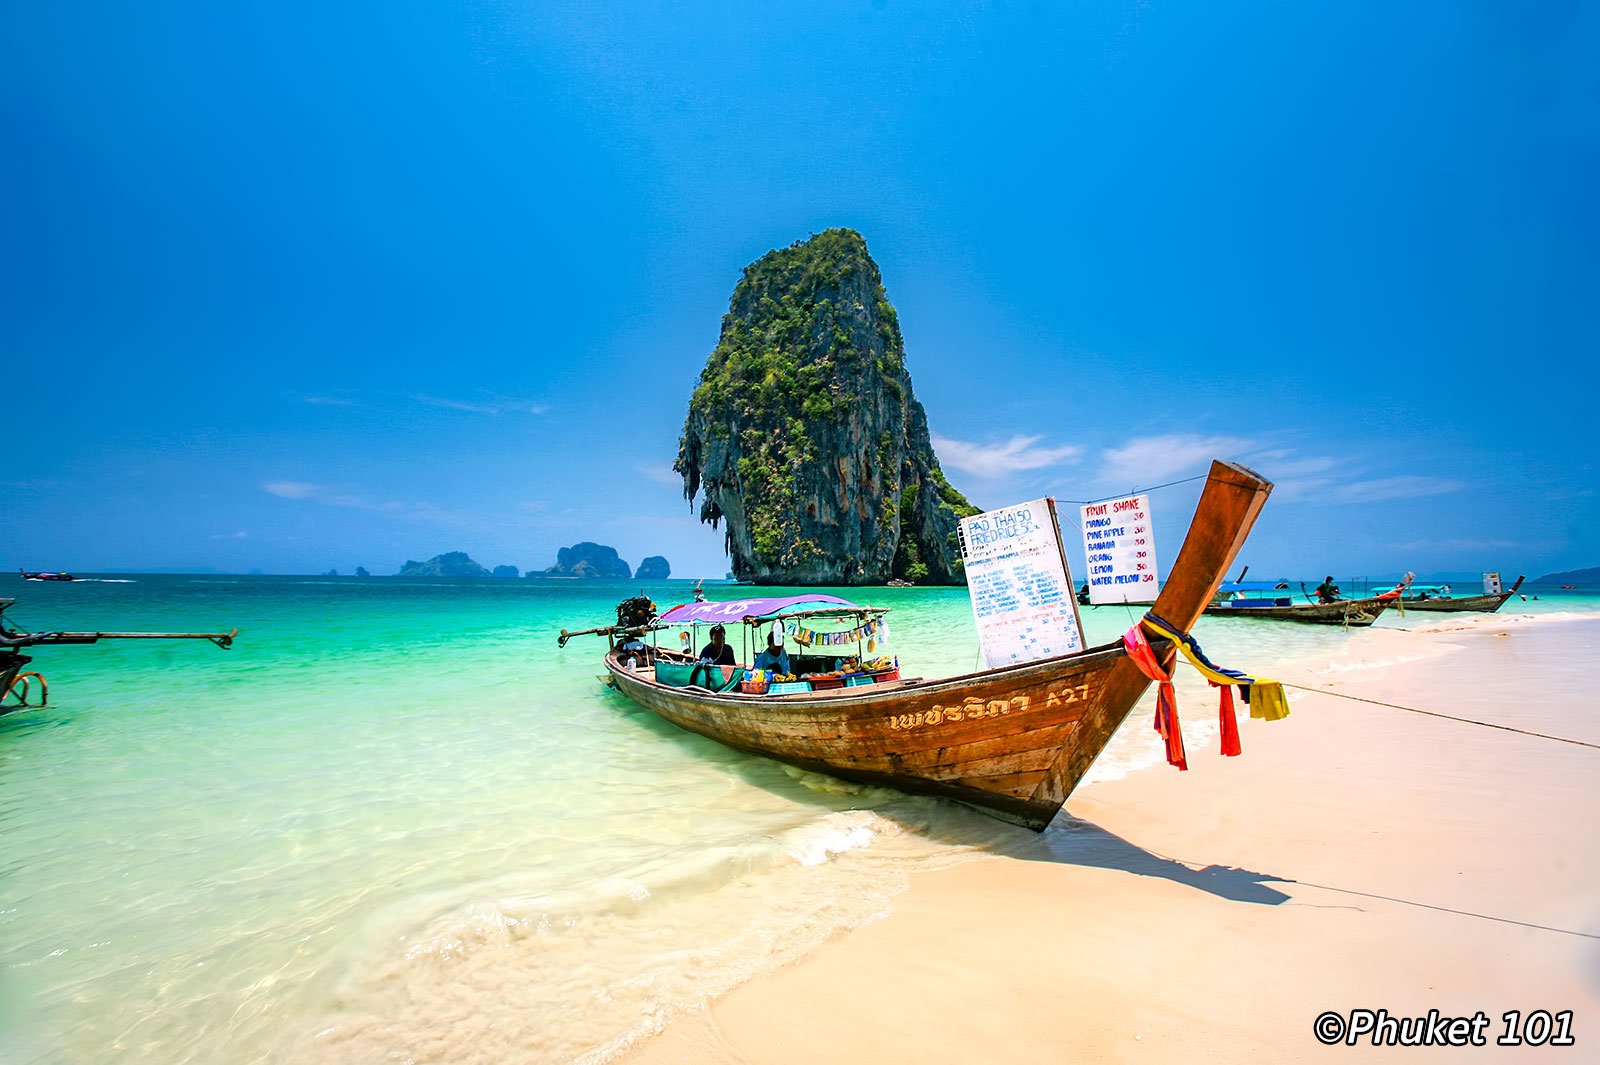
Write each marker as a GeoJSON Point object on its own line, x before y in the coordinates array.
{"type": "Point", "coordinates": [1166, 698]}
{"type": "Point", "coordinates": [1265, 698]}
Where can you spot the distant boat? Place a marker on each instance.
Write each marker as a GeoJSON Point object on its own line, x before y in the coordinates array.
{"type": "Point", "coordinates": [1437, 597]}
{"type": "Point", "coordinates": [1272, 601]}
{"type": "Point", "coordinates": [46, 576]}
{"type": "Point", "coordinates": [898, 583]}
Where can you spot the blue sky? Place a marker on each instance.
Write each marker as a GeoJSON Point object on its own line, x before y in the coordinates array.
{"type": "Point", "coordinates": [310, 286]}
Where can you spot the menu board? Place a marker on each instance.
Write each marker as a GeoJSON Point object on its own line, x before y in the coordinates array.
{"type": "Point", "coordinates": [1120, 541]}
{"type": "Point", "coordinates": [1021, 591]}
{"type": "Point", "coordinates": [1491, 584]}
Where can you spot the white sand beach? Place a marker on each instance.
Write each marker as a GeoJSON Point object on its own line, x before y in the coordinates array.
{"type": "Point", "coordinates": [1355, 856]}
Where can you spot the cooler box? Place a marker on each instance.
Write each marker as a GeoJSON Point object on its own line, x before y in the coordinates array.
{"type": "Point", "coordinates": [824, 683]}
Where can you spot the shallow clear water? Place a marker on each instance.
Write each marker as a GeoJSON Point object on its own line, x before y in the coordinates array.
{"type": "Point", "coordinates": [397, 823]}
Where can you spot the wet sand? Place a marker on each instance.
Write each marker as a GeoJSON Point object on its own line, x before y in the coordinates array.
{"type": "Point", "coordinates": [1356, 856]}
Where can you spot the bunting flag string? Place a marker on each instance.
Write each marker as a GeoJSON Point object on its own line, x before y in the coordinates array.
{"type": "Point", "coordinates": [874, 631]}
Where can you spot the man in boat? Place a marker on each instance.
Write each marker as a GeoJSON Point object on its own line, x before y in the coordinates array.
{"type": "Point", "coordinates": [774, 658]}
{"type": "Point", "coordinates": [1327, 591]}
{"type": "Point", "coordinates": [717, 652]}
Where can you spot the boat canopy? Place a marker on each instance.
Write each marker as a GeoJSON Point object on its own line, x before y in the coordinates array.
{"type": "Point", "coordinates": [760, 609]}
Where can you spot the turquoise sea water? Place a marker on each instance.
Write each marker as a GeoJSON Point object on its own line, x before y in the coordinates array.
{"type": "Point", "coordinates": [397, 823]}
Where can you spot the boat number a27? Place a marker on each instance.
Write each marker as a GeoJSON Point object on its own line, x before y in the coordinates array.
{"type": "Point", "coordinates": [972, 708]}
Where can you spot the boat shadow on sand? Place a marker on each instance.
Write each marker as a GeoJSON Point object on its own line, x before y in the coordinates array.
{"type": "Point", "coordinates": [1068, 840]}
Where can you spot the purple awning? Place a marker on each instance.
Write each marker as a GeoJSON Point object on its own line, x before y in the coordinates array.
{"type": "Point", "coordinates": [736, 609]}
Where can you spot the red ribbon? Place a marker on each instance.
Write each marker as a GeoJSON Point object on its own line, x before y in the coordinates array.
{"type": "Point", "coordinates": [1166, 698]}
{"type": "Point", "coordinates": [1228, 723]}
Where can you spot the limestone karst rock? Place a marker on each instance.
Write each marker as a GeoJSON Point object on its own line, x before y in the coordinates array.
{"type": "Point", "coordinates": [804, 437]}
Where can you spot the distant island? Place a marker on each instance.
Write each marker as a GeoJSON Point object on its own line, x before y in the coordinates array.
{"type": "Point", "coordinates": [450, 564]}
{"type": "Point", "coordinates": [804, 436]}
{"type": "Point", "coordinates": [587, 559]}
{"type": "Point", "coordinates": [1572, 576]}
{"type": "Point", "coordinates": [654, 568]}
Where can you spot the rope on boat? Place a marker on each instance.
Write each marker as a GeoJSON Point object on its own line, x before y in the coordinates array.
{"type": "Point", "coordinates": [1435, 713]}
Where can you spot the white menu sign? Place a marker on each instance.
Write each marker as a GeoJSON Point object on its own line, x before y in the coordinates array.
{"type": "Point", "coordinates": [1120, 541]}
{"type": "Point", "coordinates": [1021, 591]}
{"type": "Point", "coordinates": [1491, 584]}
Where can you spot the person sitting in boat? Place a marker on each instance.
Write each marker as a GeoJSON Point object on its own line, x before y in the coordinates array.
{"type": "Point", "coordinates": [1327, 591]}
{"type": "Point", "coordinates": [718, 652]}
{"type": "Point", "coordinates": [774, 657]}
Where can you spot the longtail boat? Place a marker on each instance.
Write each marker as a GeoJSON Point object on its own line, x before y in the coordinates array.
{"type": "Point", "coordinates": [1355, 613]}
{"type": "Point", "coordinates": [1274, 602]}
{"type": "Point", "coordinates": [1483, 604]}
{"type": "Point", "coordinates": [1012, 741]}
{"type": "Point", "coordinates": [17, 684]}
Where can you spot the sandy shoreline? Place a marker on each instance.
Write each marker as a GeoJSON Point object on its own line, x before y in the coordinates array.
{"type": "Point", "coordinates": [1356, 856]}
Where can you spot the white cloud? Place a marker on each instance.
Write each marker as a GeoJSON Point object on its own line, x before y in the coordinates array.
{"type": "Point", "coordinates": [491, 405]}
{"type": "Point", "coordinates": [293, 489]}
{"type": "Point", "coordinates": [660, 472]}
{"type": "Point", "coordinates": [333, 497]}
{"type": "Point", "coordinates": [240, 535]}
{"type": "Point", "coordinates": [1460, 545]}
{"type": "Point", "coordinates": [1409, 487]}
{"type": "Point", "coordinates": [1146, 460]}
{"type": "Point", "coordinates": [996, 460]}
{"type": "Point", "coordinates": [329, 401]}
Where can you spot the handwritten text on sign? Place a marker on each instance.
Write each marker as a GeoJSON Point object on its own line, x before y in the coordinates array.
{"type": "Point", "coordinates": [1021, 591]}
{"type": "Point", "coordinates": [1120, 541]}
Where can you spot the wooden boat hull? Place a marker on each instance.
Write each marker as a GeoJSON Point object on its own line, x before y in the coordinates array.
{"type": "Point", "coordinates": [1355, 613]}
{"type": "Point", "coordinates": [1012, 741]}
{"type": "Point", "coordinates": [1482, 604]}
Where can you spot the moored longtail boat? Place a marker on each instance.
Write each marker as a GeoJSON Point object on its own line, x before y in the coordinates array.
{"type": "Point", "coordinates": [1274, 602]}
{"type": "Point", "coordinates": [1351, 612]}
{"type": "Point", "coordinates": [1483, 604]}
{"type": "Point", "coordinates": [1013, 741]}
